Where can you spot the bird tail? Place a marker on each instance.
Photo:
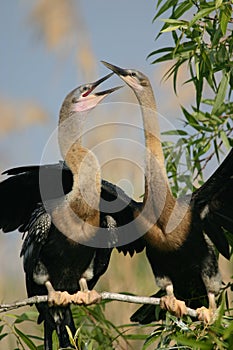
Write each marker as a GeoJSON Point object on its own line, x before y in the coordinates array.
{"type": "Point", "coordinates": [56, 319]}
{"type": "Point", "coordinates": [149, 313]}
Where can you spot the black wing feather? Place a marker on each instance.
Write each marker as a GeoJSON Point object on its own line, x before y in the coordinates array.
{"type": "Point", "coordinates": [214, 202]}
{"type": "Point", "coordinates": [30, 185]}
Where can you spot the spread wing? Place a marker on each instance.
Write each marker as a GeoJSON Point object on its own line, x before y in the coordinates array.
{"type": "Point", "coordinates": [28, 186]}
{"type": "Point", "coordinates": [214, 203]}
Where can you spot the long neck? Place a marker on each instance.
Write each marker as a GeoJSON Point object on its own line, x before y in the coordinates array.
{"type": "Point", "coordinates": [83, 199]}
{"type": "Point", "coordinates": [158, 196]}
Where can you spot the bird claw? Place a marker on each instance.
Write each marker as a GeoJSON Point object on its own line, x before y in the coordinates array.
{"type": "Point", "coordinates": [57, 298]}
{"type": "Point", "coordinates": [87, 297]}
{"type": "Point", "coordinates": [173, 305]}
{"type": "Point", "coordinates": [205, 315]}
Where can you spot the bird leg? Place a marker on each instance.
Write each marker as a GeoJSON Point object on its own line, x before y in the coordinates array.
{"type": "Point", "coordinates": [173, 305]}
{"type": "Point", "coordinates": [207, 315]}
{"type": "Point", "coordinates": [57, 298]}
{"type": "Point", "coordinates": [85, 296]}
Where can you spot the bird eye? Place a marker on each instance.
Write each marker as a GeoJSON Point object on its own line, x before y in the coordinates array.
{"type": "Point", "coordinates": [85, 88]}
{"type": "Point", "coordinates": [133, 74]}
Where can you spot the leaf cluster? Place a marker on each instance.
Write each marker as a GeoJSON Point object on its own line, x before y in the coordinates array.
{"type": "Point", "coordinates": [202, 34]}
{"type": "Point", "coordinates": [10, 327]}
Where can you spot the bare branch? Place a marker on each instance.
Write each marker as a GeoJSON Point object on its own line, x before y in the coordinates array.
{"type": "Point", "coordinates": [104, 296]}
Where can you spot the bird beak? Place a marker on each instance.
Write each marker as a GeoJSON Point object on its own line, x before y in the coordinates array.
{"type": "Point", "coordinates": [115, 69]}
{"type": "Point", "coordinates": [98, 96]}
{"type": "Point", "coordinates": [89, 100]}
{"type": "Point", "coordinates": [125, 75]}
{"type": "Point", "coordinates": [100, 81]}
{"type": "Point", "coordinates": [106, 92]}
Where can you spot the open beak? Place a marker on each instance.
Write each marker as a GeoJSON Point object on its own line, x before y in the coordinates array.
{"type": "Point", "coordinates": [115, 69]}
{"type": "Point", "coordinates": [106, 92]}
{"type": "Point", "coordinates": [89, 99]}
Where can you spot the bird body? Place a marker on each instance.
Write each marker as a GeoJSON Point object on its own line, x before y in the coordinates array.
{"type": "Point", "coordinates": [179, 233]}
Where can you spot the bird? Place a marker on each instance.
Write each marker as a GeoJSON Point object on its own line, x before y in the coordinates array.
{"type": "Point", "coordinates": [180, 234]}
{"type": "Point", "coordinates": [62, 209]}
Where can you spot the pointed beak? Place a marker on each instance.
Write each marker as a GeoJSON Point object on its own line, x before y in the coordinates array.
{"type": "Point", "coordinates": [89, 99]}
{"type": "Point", "coordinates": [100, 81]}
{"type": "Point", "coordinates": [106, 92]}
{"type": "Point", "coordinates": [99, 96]}
{"type": "Point", "coordinates": [109, 91]}
{"type": "Point", "coordinates": [115, 69]}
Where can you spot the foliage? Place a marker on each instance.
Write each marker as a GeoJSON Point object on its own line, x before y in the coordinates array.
{"type": "Point", "coordinates": [10, 326]}
{"type": "Point", "coordinates": [94, 331]}
{"type": "Point", "coordinates": [202, 36]}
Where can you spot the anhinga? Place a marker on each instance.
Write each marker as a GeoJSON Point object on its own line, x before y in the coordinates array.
{"type": "Point", "coordinates": [180, 232]}
{"type": "Point", "coordinates": [58, 207]}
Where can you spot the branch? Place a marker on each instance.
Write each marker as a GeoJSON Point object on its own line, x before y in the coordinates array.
{"type": "Point", "coordinates": [104, 296]}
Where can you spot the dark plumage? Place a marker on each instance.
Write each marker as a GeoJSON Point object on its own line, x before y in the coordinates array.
{"type": "Point", "coordinates": [35, 199]}
{"type": "Point", "coordinates": [180, 232]}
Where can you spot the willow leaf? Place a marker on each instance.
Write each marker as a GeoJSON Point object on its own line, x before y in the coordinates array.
{"type": "Point", "coordinates": [201, 14]}
{"type": "Point", "coordinates": [221, 93]}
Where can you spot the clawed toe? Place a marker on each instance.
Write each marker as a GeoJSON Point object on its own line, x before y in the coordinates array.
{"type": "Point", "coordinates": [173, 305]}
{"type": "Point", "coordinates": [87, 297]}
{"type": "Point", "coordinates": [205, 315]}
{"type": "Point", "coordinates": [57, 298]}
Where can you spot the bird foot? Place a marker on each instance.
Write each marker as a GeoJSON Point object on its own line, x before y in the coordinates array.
{"type": "Point", "coordinates": [57, 298]}
{"type": "Point", "coordinates": [173, 305]}
{"type": "Point", "coordinates": [86, 297]}
{"type": "Point", "coordinates": [205, 315]}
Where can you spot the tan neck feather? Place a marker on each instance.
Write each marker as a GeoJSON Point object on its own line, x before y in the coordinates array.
{"type": "Point", "coordinates": [77, 215]}
{"type": "Point", "coordinates": [165, 220]}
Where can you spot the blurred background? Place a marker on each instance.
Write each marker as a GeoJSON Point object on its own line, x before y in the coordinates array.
{"type": "Point", "coordinates": [47, 49]}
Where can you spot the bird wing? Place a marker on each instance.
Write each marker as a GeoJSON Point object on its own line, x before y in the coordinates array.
{"type": "Point", "coordinates": [29, 185]}
{"type": "Point", "coordinates": [37, 231]}
{"type": "Point", "coordinates": [214, 203]}
{"type": "Point", "coordinates": [116, 204]}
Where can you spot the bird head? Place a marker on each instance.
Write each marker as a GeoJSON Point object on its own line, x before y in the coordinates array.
{"type": "Point", "coordinates": [81, 99]}
{"type": "Point", "coordinates": [135, 79]}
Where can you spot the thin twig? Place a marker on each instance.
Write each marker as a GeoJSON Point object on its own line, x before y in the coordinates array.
{"type": "Point", "coordinates": [104, 296]}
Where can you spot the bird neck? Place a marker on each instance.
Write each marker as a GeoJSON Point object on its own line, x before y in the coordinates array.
{"type": "Point", "coordinates": [83, 199]}
{"type": "Point", "coordinates": [158, 197]}
{"type": "Point", "coordinates": [85, 195]}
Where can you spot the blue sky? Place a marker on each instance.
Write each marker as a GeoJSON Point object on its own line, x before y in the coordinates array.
{"type": "Point", "coordinates": [120, 32]}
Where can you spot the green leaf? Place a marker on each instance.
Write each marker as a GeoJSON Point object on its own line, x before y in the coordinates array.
{"type": "Point", "coordinates": [201, 14]}
{"type": "Point", "coordinates": [175, 132]}
{"type": "Point", "coordinates": [3, 335]}
{"type": "Point", "coordinates": [219, 99]}
{"type": "Point", "coordinates": [173, 21]}
{"type": "Point", "coordinates": [182, 8]}
{"type": "Point", "coordinates": [72, 341]}
{"type": "Point", "coordinates": [225, 15]}
{"type": "Point", "coordinates": [164, 58]}
{"type": "Point", "coordinates": [178, 12]}
{"type": "Point", "coordinates": [193, 343]}
{"type": "Point", "coordinates": [225, 139]}
{"type": "Point", "coordinates": [218, 3]}
{"type": "Point", "coordinates": [164, 49]}
{"type": "Point", "coordinates": [168, 4]}
{"type": "Point", "coordinates": [25, 338]}
{"type": "Point", "coordinates": [217, 36]}
{"type": "Point", "coordinates": [170, 29]}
